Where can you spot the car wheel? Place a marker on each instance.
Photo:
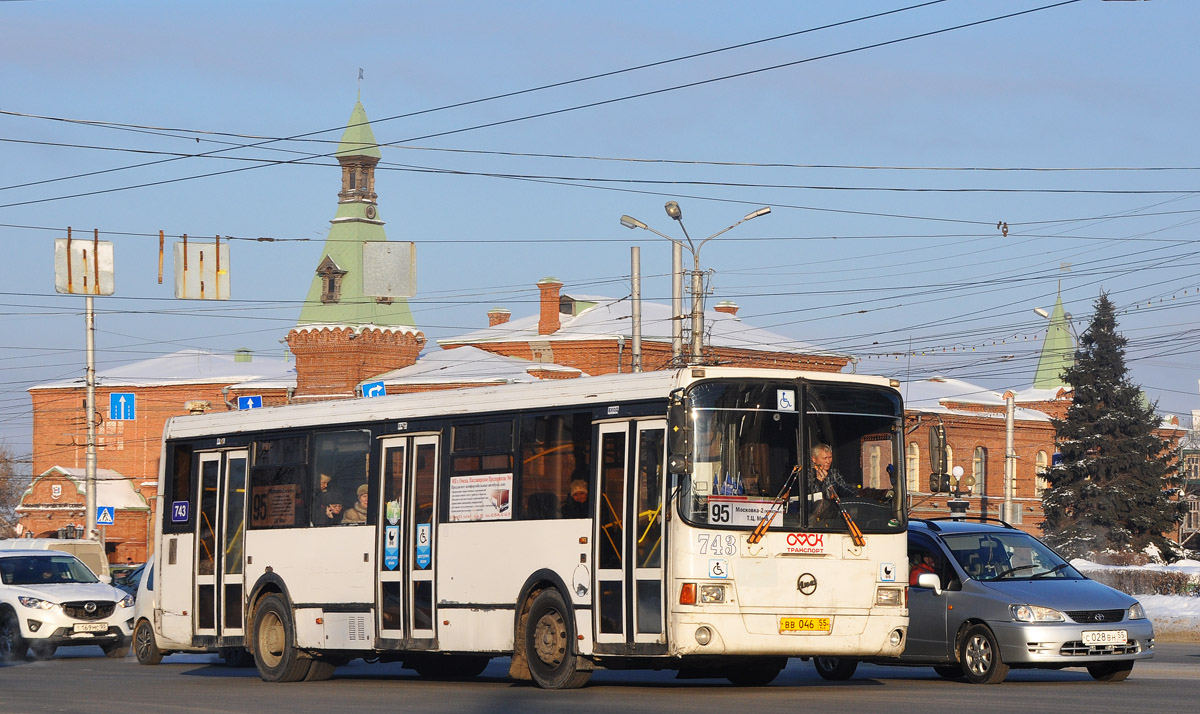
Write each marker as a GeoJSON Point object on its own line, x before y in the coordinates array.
{"type": "Point", "coordinates": [835, 669]}
{"type": "Point", "coordinates": [550, 644]}
{"type": "Point", "coordinates": [277, 659]}
{"type": "Point", "coordinates": [980, 657]}
{"type": "Point", "coordinates": [42, 650]}
{"type": "Point", "coordinates": [144, 647]}
{"type": "Point", "coordinates": [116, 650]}
{"type": "Point", "coordinates": [756, 673]}
{"type": "Point", "coordinates": [12, 645]}
{"type": "Point", "coordinates": [1111, 671]}
{"type": "Point", "coordinates": [949, 671]}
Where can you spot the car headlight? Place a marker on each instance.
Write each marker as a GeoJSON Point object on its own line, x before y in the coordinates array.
{"type": "Point", "coordinates": [1136, 612]}
{"type": "Point", "coordinates": [1033, 613]}
{"type": "Point", "coordinates": [126, 601]}
{"type": "Point", "coordinates": [35, 603]}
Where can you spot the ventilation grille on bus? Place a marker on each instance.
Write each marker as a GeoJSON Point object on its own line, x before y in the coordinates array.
{"type": "Point", "coordinates": [357, 628]}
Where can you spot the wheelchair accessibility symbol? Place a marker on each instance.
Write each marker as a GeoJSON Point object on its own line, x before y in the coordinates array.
{"type": "Point", "coordinates": [785, 400]}
{"type": "Point", "coordinates": [718, 568]}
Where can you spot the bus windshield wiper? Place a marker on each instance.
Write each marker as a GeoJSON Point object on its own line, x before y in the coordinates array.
{"type": "Point", "coordinates": [777, 506]}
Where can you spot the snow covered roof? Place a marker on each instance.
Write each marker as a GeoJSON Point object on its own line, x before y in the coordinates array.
{"type": "Point", "coordinates": [468, 365]}
{"type": "Point", "coordinates": [611, 318]}
{"type": "Point", "coordinates": [183, 367]}
{"type": "Point", "coordinates": [112, 488]}
{"type": "Point", "coordinates": [932, 395]}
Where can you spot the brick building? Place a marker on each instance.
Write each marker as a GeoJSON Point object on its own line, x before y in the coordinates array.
{"type": "Point", "coordinates": [53, 507]}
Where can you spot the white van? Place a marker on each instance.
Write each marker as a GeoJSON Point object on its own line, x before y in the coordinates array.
{"type": "Point", "coordinates": [89, 551]}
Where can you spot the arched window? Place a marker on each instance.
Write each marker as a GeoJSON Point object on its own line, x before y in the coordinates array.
{"type": "Point", "coordinates": [1041, 464]}
{"type": "Point", "coordinates": [913, 467]}
{"type": "Point", "coordinates": [949, 459]}
{"type": "Point", "coordinates": [979, 470]}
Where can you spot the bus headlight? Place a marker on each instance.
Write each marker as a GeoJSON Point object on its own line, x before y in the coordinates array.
{"type": "Point", "coordinates": [889, 597]}
{"type": "Point", "coordinates": [712, 593]}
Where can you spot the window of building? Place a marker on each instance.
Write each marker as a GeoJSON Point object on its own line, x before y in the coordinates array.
{"type": "Point", "coordinates": [913, 467]}
{"type": "Point", "coordinates": [1041, 464]}
{"type": "Point", "coordinates": [331, 280]}
{"type": "Point", "coordinates": [979, 470]}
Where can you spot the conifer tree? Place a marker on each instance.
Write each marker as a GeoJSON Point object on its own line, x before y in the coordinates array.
{"type": "Point", "coordinates": [1108, 491]}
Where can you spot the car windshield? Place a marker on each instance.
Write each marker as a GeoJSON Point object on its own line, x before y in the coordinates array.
{"type": "Point", "coordinates": [756, 446]}
{"type": "Point", "coordinates": [44, 570]}
{"type": "Point", "coordinates": [1007, 555]}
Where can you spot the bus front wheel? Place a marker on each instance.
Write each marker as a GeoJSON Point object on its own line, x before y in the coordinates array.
{"type": "Point", "coordinates": [277, 658]}
{"type": "Point", "coordinates": [550, 645]}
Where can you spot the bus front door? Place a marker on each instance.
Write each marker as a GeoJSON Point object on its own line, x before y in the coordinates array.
{"type": "Point", "coordinates": [219, 595]}
{"type": "Point", "coordinates": [407, 608]}
{"type": "Point", "coordinates": [628, 592]}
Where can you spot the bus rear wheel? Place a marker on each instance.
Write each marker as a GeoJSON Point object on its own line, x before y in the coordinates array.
{"type": "Point", "coordinates": [277, 658]}
{"type": "Point", "coordinates": [756, 673]}
{"type": "Point", "coordinates": [550, 644]}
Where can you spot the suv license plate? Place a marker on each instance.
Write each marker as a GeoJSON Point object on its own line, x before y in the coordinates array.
{"type": "Point", "coordinates": [1105, 637]}
{"type": "Point", "coordinates": [804, 624]}
{"type": "Point", "coordinates": [91, 627]}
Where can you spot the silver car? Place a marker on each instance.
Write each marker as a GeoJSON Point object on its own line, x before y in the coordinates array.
{"type": "Point", "coordinates": [987, 598]}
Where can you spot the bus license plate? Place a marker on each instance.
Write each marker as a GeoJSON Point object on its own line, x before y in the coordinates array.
{"type": "Point", "coordinates": [91, 627]}
{"type": "Point", "coordinates": [1105, 637]}
{"type": "Point", "coordinates": [804, 624]}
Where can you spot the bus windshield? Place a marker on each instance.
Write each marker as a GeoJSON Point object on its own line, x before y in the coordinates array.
{"type": "Point", "coordinates": [806, 456]}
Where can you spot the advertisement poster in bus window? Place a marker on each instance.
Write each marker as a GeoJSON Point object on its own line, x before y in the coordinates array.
{"type": "Point", "coordinates": [485, 497]}
{"type": "Point", "coordinates": [273, 506]}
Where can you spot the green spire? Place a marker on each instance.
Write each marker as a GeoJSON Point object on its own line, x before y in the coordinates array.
{"type": "Point", "coordinates": [335, 296]}
{"type": "Point", "coordinates": [358, 139]}
{"type": "Point", "coordinates": [1058, 351]}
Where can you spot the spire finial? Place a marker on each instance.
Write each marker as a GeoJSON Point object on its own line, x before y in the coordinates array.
{"type": "Point", "coordinates": [360, 79]}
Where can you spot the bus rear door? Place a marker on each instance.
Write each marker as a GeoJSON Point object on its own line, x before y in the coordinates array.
{"type": "Point", "coordinates": [407, 608]}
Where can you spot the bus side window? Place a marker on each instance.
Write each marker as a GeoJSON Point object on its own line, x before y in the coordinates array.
{"type": "Point", "coordinates": [555, 459]}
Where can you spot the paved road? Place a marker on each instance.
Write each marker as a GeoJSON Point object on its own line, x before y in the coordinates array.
{"type": "Point", "coordinates": [83, 681]}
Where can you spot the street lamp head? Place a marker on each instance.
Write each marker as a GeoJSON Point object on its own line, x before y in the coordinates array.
{"type": "Point", "coordinates": [1041, 312]}
{"type": "Point", "coordinates": [631, 222]}
{"type": "Point", "coordinates": [760, 212]}
{"type": "Point", "coordinates": [673, 210]}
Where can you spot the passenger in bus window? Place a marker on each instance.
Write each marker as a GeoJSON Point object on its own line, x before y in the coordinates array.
{"type": "Point", "coordinates": [327, 506]}
{"type": "Point", "coordinates": [824, 480]}
{"type": "Point", "coordinates": [358, 512]}
{"type": "Point", "coordinates": [576, 505]}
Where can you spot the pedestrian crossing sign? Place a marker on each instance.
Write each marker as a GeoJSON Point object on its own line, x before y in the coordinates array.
{"type": "Point", "coordinates": [104, 515]}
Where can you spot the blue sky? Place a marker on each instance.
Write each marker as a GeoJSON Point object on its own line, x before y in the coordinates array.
{"type": "Point", "coordinates": [881, 165]}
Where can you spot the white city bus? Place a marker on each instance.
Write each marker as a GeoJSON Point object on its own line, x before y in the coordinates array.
{"type": "Point", "coordinates": [661, 520]}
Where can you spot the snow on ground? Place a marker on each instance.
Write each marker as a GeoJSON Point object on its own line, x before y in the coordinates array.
{"type": "Point", "coordinates": [1175, 617]}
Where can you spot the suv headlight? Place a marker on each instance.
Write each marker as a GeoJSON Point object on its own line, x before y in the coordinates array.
{"type": "Point", "coordinates": [126, 601]}
{"type": "Point", "coordinates": [35, 603]}
{"type": "Point", "coordinates": [1136, 612]}
{"type": "Point", "coordinates": [1033, 613]}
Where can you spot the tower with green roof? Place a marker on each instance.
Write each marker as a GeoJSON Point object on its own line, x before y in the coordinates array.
{"type": "Point", "coordinates": [1058, 350]}
{"type": "Point", "coordinates": [344, 336]}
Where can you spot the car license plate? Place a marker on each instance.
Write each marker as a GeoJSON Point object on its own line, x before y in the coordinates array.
{"type": "Point", "coordinates": [91, 627]}
{"type": "Point", "coordinates": [804, 624]}
{"type": "Point", "coordinates": [1105, 637]}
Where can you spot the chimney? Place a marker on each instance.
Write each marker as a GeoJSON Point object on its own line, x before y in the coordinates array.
{"type": "Point", "coordinates": [498, 316]}
{"type": "Point", "coordinates": [243, 354]}
{"type": "Point", "coordinates": [728, 307]}
{"type": "Point", "coordinates": [548, 322]}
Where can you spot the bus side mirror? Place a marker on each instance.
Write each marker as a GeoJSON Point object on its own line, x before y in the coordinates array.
{"type": "Point", "coordinates": [679, 464]}
{"type": "Point", "coordinates": [679, 437]}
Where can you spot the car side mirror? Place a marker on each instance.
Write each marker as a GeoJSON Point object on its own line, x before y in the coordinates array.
{"type": "Point", "coordinates": [931, 581]}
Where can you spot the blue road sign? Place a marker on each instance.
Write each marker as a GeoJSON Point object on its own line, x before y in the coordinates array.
{"type": "Point", "coordinates": [122, 406]}
{"type": "Point", "coordinates": [104, 515]}
{"type": "Point", "coordinates": [251, 402]}
{"type": "Point", "coordinates": [373, 389]}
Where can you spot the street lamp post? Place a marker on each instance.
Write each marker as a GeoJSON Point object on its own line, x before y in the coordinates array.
{"type": "Point", "coordinates": [676, 213]}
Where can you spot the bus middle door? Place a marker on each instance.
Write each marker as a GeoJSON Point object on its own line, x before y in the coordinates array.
{"type": "Point", "coordinates": [407, 608]}
{"type": "Point", "coordinates": [219, 596]}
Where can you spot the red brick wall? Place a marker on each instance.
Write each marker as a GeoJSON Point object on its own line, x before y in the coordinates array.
{"type": "Point", "coordinates": [330, 362]}
{"type": "Point", "coordinates": [128, 538]}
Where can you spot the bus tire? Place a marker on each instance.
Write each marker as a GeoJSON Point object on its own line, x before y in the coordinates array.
{"type": "Point", "coordinates": [319, 670]}
{"type": "Point", "coordinates": [12, 645]}
{"type": "Point", "coordinates": [550, 644]}
{"type": "Point", "coordinates": [835, 669]}
{"type": "Point", "coordinates": [980, 657]}
{"type": "Point", "coordinates": [449, 666]}
{"type": "Point", "coordinates": [277, 658]}
{"type": "Point", "coordinates": [145, 648]}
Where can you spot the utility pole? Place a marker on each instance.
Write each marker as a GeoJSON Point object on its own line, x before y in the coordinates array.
{"type": "Point", "coordinates": [1010, 455]}
{"type": "Point", "coordinates": [636, 309]}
